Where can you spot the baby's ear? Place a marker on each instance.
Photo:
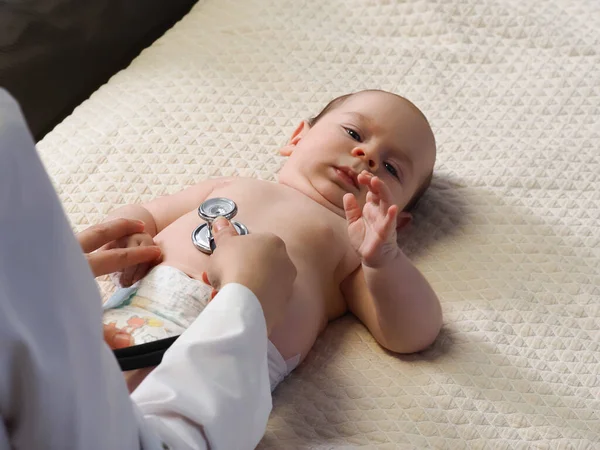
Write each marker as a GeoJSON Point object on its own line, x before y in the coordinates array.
{"type": "Point", "coordinates": [403, 219]}
{"type": "Point", "coordinates": [297, 136]}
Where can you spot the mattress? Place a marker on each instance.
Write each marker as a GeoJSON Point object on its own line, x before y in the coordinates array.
{"type": "Point", "coordinates": [508, 234]}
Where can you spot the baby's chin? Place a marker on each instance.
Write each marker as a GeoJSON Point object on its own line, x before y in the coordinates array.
{"type": "Point", "coordinates": [331, 196]}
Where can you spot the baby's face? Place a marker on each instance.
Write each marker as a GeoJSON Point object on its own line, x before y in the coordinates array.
{"type": "Point", "coordinates": [374, 131]}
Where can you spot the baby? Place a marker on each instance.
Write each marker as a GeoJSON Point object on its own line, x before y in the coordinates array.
{"type": "Point", "coordinates": [352, 175]}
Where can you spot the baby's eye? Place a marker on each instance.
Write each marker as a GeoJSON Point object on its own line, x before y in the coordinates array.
{"type": "Point", "coordinates": [391, 169]}
{"type": "Point", "coordinates": [353, 134]}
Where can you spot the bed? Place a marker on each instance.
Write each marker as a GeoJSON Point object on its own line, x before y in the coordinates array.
{"type": "Point", "coordinates": [508, 234]}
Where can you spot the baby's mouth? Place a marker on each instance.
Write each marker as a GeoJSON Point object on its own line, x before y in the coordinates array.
{"type": "Point", "coordinates": [348, 176]}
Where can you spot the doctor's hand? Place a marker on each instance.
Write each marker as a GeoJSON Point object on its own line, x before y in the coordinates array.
{"type": "Point", "coordinates": [108, 260]}
{"type": "Point", "coordinates": [105, 261]}
{"type": "Point", "coordinates": [258, 261]}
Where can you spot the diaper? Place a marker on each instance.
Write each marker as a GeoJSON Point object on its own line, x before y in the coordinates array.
{"type": "Point", "coordinates": [166, 302]}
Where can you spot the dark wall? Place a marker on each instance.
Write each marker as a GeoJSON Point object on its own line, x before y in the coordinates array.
{"type": "Point", "coordinates": [55, 53]}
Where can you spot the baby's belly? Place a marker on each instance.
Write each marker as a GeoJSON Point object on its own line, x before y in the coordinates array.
{"type": "Point", "coordinates": [307, 311]}
{"type": "Point", "coordinates": [179, 253]}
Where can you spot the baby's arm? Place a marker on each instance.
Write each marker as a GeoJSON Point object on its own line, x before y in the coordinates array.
{"type": "Point", "coordinates": [387, 292]}
{"type": "Point", "coordinates": [162, 211]}
{"type": "Point", "coordinates": [396, 303]}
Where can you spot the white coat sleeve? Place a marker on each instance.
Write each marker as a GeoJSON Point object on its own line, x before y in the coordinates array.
{"type": "Point", "coordinates": [60, 385]}
{"type": "Point", "coordinates": [212, 386]}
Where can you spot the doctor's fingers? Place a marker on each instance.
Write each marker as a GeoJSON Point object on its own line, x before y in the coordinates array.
{"type": "Point", "coordinates": [96, 236]}
{"type": "Point", "coordinates": [108, 261]}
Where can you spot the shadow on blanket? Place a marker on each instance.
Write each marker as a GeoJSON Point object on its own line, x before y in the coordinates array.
{"type": "Point", "coordinates": [438, 217]}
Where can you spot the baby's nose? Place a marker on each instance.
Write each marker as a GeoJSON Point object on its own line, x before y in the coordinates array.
{"type": "Point", "coordinates": [369, 160]}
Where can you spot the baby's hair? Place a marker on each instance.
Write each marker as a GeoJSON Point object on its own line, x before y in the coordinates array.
{"type": "Point", "coordinates": [331, 105]}
{"type": "Point", "coordinates": [341, 99]}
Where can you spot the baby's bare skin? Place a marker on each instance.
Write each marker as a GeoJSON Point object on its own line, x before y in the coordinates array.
{"type": "Point", "coordinates": [316, 240]}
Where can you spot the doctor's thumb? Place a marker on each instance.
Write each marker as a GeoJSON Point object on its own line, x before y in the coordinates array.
{"type": "Point", "coordinates": [221, 226]}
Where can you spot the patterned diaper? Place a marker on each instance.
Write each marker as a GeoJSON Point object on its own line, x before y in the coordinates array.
{"type": "Point", "coordinates": [166, 302]}
{"type": "Point", "coordinates": [163, 304]}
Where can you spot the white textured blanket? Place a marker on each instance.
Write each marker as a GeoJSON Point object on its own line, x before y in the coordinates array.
{"type": "Point", "coordinates": [509, 234]}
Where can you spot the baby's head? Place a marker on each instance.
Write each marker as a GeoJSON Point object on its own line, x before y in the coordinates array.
{"type": "Point", "coordinates": [371, 130]}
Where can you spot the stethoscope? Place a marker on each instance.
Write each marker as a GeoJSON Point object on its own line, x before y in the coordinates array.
{"type": "Point", "coordinates": [208, 211]}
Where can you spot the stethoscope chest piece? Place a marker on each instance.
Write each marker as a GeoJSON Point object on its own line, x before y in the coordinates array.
{"type": "Point", "coordinates": [209, 211]}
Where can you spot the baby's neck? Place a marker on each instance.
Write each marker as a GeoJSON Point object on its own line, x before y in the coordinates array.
{"type": "Point", "coordinates": [309, 191]}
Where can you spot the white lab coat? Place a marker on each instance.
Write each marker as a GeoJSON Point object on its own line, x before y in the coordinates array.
{"type": "Point", "coordinates": [60, 385]}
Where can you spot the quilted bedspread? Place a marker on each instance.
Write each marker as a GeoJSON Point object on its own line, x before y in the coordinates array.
{"type": "Point", "coordinates": [508, 235]}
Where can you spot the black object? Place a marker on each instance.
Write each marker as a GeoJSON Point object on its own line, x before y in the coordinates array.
{"type": "Point", "coordinates": [55, 53]}
{"type": "Point", "coordinates": [143, 355]}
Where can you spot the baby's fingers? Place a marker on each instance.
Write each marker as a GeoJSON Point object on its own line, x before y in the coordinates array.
{"type": "Point", "coordinates": [365, 178]}
{"type": "Point", "coordinates": [374, 184]}
{"type": "Point", "coordinates": [351, 208]}
{"type": "Point", "coordinates": [390, 220]}
{"type": "Point", "coordinates": [381, 189]}
{"type": "Point", "coordinates": [373, 198]}
{"type": "Point", "coordinates": [383, 193]}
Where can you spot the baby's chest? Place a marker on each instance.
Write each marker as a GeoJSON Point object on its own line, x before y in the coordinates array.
{"type": "Point", "coordinates": [315, 238]}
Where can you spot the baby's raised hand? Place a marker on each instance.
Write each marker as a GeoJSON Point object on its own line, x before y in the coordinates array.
{"type": "Point", "coordinates": [372, 231]}
{"type": "Point", "coordinates": [133, 274]}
